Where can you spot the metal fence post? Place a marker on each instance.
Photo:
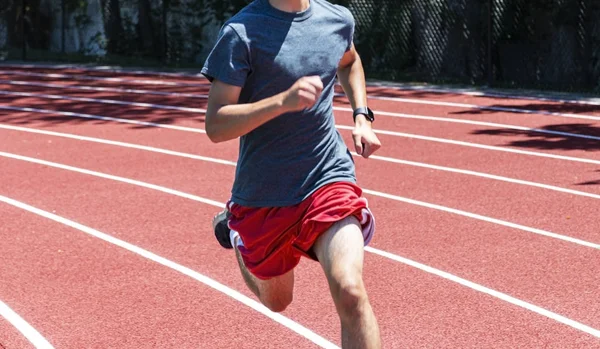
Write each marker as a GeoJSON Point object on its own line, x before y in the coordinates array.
{"type": "Point", "coordinates": [64, 25]}
{"type": "Point", "coordinates": [23, 34]}
{"type": "Point", "coordinates": [490, 65]}
{"type": "Point", "coordinates": [164, 31]}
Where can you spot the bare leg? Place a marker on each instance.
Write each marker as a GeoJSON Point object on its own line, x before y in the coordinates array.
{"type": "Point", "coordinates": [340, 251]}
{"type": "Point", "coordinates": [276, 293]}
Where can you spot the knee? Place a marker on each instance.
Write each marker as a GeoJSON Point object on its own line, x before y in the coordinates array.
{"type": "Point", "coordinates": [350, 296]}
{"type": "Point", "coordinates": [277, 303]}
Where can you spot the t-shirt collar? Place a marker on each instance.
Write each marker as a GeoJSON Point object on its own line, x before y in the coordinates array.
{"type": "Point", "coordinates": [290, 16]}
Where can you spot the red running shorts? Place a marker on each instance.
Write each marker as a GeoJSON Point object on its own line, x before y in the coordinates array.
{"type": "Point", "coordinates": [275, 238]}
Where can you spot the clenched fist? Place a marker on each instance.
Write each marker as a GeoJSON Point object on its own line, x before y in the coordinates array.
{"type": "Point", "coordinates": [303, 94]}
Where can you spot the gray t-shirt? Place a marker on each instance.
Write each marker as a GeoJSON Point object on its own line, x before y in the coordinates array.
{"type": "Point", "coordinates": [265, 51]}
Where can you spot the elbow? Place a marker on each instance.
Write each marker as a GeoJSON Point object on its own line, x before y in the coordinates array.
{"type": "Point", "coordinates": [213, 134]}
{"type": "Point", "coordinates": [212, 130]}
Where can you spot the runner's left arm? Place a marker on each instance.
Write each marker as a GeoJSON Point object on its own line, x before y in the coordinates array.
{"type": "Point", "coordinates": [351, 76]}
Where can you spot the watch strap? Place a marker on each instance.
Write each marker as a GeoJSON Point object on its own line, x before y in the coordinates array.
{"type": "Point", "coordinates": [366, 111]}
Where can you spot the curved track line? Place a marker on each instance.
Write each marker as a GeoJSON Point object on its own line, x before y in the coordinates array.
{"type": "Point", "coordinates": [371, 192]}
{"type": "Point", "coordinates": [342, 127]}
{"type": "Point", "coordinates": [483, 107]}
{"type": "Point", "coordinates": [22, 326]}
{"type": "Point", "coordinates": [496, 294]}
{"type": "Point", "coordinates": [203, 96]}
{"type": "Point", "coordinates": [389, 85]}
{"type": "Point", "coordinates": [479, 123]}
{"type": "Point", "coordinates": [104, 89]}
{"type": "Point", "coordinates": [388, 255]}
{"type": "Point", "coordinates": [231, 163]}
{"type": "Point", "coordinates": [476, 145]}
{"type": "Point", "coordinates": [121, 144]}
{"type": "Point", "coordinates": [105, 118]}
{"type": "Point", "coordinates": [292, 325]}
{"type": "Point", "coordinates": [98, 78]}
{"type": "Point", "coordinates": [104, 101]}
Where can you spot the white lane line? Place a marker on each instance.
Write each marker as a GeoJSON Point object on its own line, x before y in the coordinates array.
{"type": "Point", "coordinates": [204, 96]}
{"type": "Point", "coordinates": [120, 144]}
{"type": "Point", "coordinates": [108, 69]}
{"type": "Point", "coordinates": [104, 101]}
{"type": "Point", "coordinates": [389, 85]}
{"type": "Point", "coordinates": [104, 89]}
{"type": "Point", "coordinates": [483, 123]}
{"type": "Point", "coordinates": [114, 178]}
{"type": "Point", "coordinates": [22, 326]}
{"type": "Point", "coordinates": [471, 92]}
{"type": "Point", "coordinates": [484, 218]}
{"type": "Point", "coordinates": [232, 163]}
{"type": "Point", "coordinates": [496, 294]}
{"type": "Point", "coordinates": [481, 174]}
{"type": "Point", "coordinates": [391, 256]}
{"type": "Point", "coordinates": [482, 107]}
{"type": "Point", "coordinates": [370, 96]}
{"type": "Point", "coordinates": [476, 145]}
{"type": "Point", "coordinates": [105, 118]}
{"type": "Point", "coordinates": [342, 127]}
{"type": "Point", "coordinates": [371, 192]}
{"type": "Point", "coordinates": [109, 79]}
{"type": "Point", "coordinates": [292, 325]}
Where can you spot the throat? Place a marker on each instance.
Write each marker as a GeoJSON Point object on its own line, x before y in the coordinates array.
{"type": "Point", "coordinates": [291, 5]}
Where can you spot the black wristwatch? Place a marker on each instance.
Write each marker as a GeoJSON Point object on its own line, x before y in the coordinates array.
{"type": "Point", "coordinates": [366, 111]}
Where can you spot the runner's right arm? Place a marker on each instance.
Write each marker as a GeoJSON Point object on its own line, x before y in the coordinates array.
{"type": "Point", "coordinates": [227, 120]}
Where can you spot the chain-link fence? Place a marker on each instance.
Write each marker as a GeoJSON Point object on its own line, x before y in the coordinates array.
{"type": "Point", "coordinates": [521, 43]}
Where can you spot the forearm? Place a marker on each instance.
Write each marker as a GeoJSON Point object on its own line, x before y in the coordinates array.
{"type": "Point", "coordinates": [228, 122]}
{"type": "Point", "coordinates": [352, 79]}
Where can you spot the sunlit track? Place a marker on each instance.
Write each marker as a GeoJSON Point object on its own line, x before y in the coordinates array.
{"type": "Point", "coordinates": [22, 326]}
{"type": "Point", "coordinates": [292, 325]}
{"type": "Point", "coordinates": [393, 86]}
{"type": "Point", "coordinates": [103, 89]}
{"type": "Point", "coordinates": [342, 127]}
{"type": "Point", "coordinates": [480, 288]}
{"type": "Point", "coordinates": [371, 192]}
{"type": "Point", "coordinates": [109, 136]}
{"type": "Point", "coordinates": [109, 79]}
{"type": "Point", "coordinates": [103, 118]}
{"type": "Point", "coordinates": [374, 157]}
{"type": "Point", "coordinates": [370, 96]}
{"type": "Point", "coordinates": [203, 96]}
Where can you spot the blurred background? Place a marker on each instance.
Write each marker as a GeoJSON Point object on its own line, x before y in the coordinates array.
{"type": "Point", "coordinates": [529, 44]}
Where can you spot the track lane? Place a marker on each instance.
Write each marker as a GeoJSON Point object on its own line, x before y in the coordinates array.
{"type": "Point", "coordinates": [11, 337]}
{"type": "Point", "coordinates": [555, 172]}
{"type": "Point", "coordinates": [513, 174]}
{"type": "Point", "coordinates": [518, 140]}
{"type": "Point", "coordinates": [466, 244]}
{"type": "Point", "coordinates": [460, 103]}
{"type": "Point", "coordinates": [526, 328]}
{"type": "Point", "coordinates": [503, 124]}
{"type": "Point", "coordinates": [86, 292]}
{"type": "Point", "coordinates": [442, 187]}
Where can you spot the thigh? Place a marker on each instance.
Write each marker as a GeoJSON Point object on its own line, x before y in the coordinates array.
{"type": "Point", "coordinates": [278, 289]}
{"type": "Point", "coordinates": [340, 251]}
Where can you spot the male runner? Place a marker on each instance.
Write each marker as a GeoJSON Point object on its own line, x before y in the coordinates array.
{"type": "Point", "coordinates": [273, 71]}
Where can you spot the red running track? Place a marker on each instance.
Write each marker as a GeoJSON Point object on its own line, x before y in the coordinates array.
{"type": "Point", "coordinates": [79, 291]}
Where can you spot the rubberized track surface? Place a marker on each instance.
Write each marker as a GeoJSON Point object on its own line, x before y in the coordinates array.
{"type": "Point", "coordinates": [487, 229]}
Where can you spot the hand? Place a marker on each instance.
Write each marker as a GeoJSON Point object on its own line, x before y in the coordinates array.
{"type": "Point", "coordinates": [365, 140]}
{"type": "Point", "coordinates": [303, 94]}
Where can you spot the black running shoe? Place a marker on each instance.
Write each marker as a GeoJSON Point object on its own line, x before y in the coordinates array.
{"type": "Point", "coordinates": [222, 229]}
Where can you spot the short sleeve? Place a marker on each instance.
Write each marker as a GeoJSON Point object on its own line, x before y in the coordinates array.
{"type": "Point", "coordinates": [351, 27]}
{"type": "Point", "coordinates": [229, 59]}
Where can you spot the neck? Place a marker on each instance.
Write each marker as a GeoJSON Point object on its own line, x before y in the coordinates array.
{"type": "Point", "coordinates": [290, 5]}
